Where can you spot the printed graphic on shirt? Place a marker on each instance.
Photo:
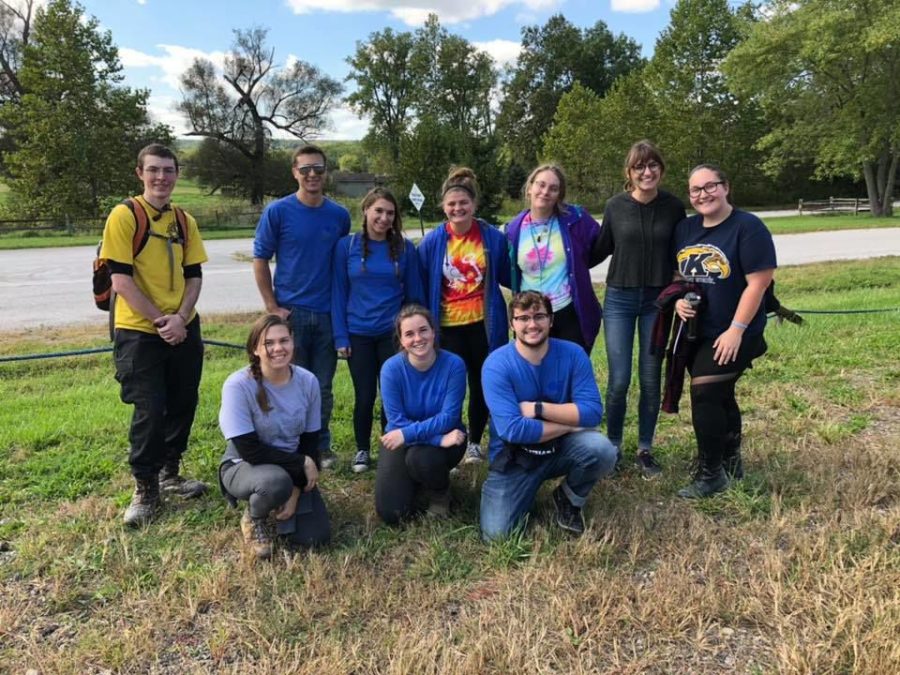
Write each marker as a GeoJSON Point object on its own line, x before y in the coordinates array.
{"type": "Point", "coordinates": [542, 259]}
{"type": "Point", "coordinates": [703, 263]}
{"type": "Point", "coordinates": [462, 286]}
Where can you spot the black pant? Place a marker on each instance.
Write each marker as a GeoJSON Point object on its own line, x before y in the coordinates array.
{"type": "Point", "coordinates": [566, 326]}
{"type": "Point", "coordinates": [161, 381]}
{"type": "Point", "coordinates": [470, 343]}
{"type": "Point", "coordinates": [367, 354]}
{"type": "Point", "coordinates": [715, 414]}
{"type": "Point", "coordinates": [404, 472]}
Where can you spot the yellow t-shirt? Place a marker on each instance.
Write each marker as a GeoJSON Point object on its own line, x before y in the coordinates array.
{"type": "Point", "coordinates": [151, 266]}
{"type": "Point", "coordinates": [462, 286]}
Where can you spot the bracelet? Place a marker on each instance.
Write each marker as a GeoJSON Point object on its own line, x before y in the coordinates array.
{"type": "Point", "coordinates": [738, 324]}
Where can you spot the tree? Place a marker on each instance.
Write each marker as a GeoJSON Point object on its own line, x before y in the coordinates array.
{"type": "Point", "coordinates": [553, 58]}
{"type": "Point", "coordinates": [827, 74]}
{"type": "Point", "coordinates": [75, 129]}
{"type": "Point", "coordinates": [15, 29]}
{"type": "Point", "coordinates": [258, 99]}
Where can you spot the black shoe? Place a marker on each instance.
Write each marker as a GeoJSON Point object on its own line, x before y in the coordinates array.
{"type": "Point", "coordinates": [568, 516]}
{"type": "Point", "coordinates": [731, 458]}
{"type": "Point", "coordinates": [648, 466]}
{"type": "Point", "coordinates": [361, 462]}
{"type": "Point", "coordinates": [705, 484]}
{"type": "Point", "coordinates": [145, 502]}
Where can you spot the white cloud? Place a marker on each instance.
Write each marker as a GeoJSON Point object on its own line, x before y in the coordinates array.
{"type": "Point", "coordinates": [414, 12]}
{"type": "Point", "coordinates": [162, 109]}
{"type": "Point", "coordinates": [505, 52]}
{"type": "Point", "coordinates": [634, 6]}
{"type": "Point", "coordinates": [346, 125]}
{"type": "Point", "coordinates": [173, 63]}
{"type": "Point", "coordinates": [142, 2]}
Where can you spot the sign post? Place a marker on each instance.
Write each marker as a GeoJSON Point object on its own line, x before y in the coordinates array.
{"type": "Point", "coordinates": [417, 198]}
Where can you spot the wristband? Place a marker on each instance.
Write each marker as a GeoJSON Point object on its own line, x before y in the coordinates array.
{"type": "Point", "coordinates": [738, 324]}
{"type": "Point", "coordinates": [538, 410]}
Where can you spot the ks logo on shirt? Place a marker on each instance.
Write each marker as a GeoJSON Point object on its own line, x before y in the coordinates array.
{"type": "Point", "coordinates": [703, 261]}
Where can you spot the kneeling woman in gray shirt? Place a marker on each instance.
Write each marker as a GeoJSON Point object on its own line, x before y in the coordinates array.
{"type": "Point", "coordinates": [270, 417]}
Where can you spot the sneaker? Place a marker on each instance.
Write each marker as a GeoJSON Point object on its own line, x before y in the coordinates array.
{"type": "Point", "coordinates": [568, 516]}
{"type": "Point", "coordinates": [328, 459]}
{"type": "Point", "coordinates": [145, 503]}
{"type": "Point", "coordinates": [186, 488]}
{"type": "Point", "coordinates": [256, 535]}
{"type": "Point", "coordinates": [473, 454]}
{"type": "Point", "coordinates": [648, 466]}
{"type": "Point", "coordinates": [360, 462]}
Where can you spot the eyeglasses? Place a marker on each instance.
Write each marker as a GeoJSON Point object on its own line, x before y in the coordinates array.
{"type": "Point", "coordinates": [157, 170]}
{"type": "Point", "coordinates": [708, 188]}
{"type": "Point", "coordinates": [525, 319]}
{"type": "Point", "coordinates": [306, 169]}
{"type": "Point", "coordinates": [640, 168]}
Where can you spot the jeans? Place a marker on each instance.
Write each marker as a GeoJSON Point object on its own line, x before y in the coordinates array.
{"type": "Point", "coordinates": [314, 350]}
{"type": "Point", "coordinates": [583, 457]}
{"type": "Point", "coordinates": [622, 309]}
{"type": "Point", "coordinates": [162, 382]}
{"type": "Point", "coordinates": [367, 354]}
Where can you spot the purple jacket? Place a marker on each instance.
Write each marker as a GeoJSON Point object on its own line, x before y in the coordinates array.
{"type": "Point", "coordinates": [579, 230]}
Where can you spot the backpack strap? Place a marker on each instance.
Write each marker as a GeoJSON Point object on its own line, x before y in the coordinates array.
{"type": "Point", "coordinates": [141, 226]}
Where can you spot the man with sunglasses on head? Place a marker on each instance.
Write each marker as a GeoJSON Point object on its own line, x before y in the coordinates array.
{"type": "Point", "coordinates": [301, 231]}
{"type": "Point", "coordinates": [158, 347]}
{"type": "Point", "coordinates": [544, 405]}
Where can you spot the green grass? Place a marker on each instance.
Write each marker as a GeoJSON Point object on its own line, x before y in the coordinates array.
{"type": "Point", "coordinates": [793, 570]}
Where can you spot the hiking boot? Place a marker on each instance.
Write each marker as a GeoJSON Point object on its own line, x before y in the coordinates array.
{"type": "Point", "coordinates": [568, 516]}
{"type": "Point", "coordinates": [473, 454]}
{"type": "Point", "coordinates": [256, 535]}
{"type": "Point", "coordinates": [438, 504]}
{"type": "Point", "coordinates": [361, 462]}
{"type": "Point", "coordinates": [328, 459]}
{"type": "Point", "coordinates": [706, 483]}
{"type": "Point", "coordinates": [172, 482]}
{"type": "Point", "coordinates": [145, 502]}
{"type": "Point", "coordinates": [648, 466]}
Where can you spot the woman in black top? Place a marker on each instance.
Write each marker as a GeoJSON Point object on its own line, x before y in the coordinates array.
{"type": "Point", "coordinates": [637, 230]}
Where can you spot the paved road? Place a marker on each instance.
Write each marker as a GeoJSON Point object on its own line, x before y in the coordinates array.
{"type": "Point", "coordinates": [51, 287]}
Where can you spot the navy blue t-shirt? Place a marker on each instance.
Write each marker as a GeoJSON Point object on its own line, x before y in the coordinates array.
{"type": "Point", "coordinates": [719, 258]}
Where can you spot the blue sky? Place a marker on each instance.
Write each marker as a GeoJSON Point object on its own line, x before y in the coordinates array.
{"type": "Point", "coordinates": [158, 39]}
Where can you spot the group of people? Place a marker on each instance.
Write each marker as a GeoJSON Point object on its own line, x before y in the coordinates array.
{"type": "Point", "coordinates": [424, 322]}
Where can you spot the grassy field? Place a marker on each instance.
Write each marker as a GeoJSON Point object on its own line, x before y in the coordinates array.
{"type": "Point", "coordinates": [795, 570]}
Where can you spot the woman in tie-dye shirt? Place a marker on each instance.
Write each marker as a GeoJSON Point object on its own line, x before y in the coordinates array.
{"type": "Point", "coordinates": [550, 245]}
{"type": "Point", "coordinates": [464, 263]}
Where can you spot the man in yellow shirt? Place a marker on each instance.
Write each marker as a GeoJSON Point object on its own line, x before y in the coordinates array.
{"type": "Point", "coordinates": [158, 347]}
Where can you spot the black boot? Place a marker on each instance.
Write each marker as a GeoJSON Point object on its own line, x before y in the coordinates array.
{"type": "Point", "coordinates": [145, 503]}
{"type": "Point", "coordinates": [710, 477]}
{"type": "Point", "coordinates": [731, 457]}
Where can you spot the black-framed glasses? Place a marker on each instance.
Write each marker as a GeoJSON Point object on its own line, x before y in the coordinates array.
{"type": "Point", "coordinates": [525, 319]}
{"type": "Point", "coordinates": [709, 188]}
{"type": "Point", "coordinates": [653, 166]}
{"type": "Point", "coordinates": [306, 169]}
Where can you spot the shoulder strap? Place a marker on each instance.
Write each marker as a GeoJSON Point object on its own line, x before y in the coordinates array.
{"type": "Point", "coordinates": [142, 226]}
{"type": "Point", "coordinates": [181, 221]}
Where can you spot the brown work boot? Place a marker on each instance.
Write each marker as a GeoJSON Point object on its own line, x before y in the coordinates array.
{"type": "Point", "coordinates": [172, 482]}
{"type": "Point", "coordinates": [438, 503]}
{"type": "Point", "coordinates": [145, 503]}
{"type": "Point", "coordinates": [256, 535]}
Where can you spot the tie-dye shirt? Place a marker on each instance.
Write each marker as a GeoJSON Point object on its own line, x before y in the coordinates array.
{"type": "Point", "coordinates": [542, 259]}
{"type": "Point", "coordinates": [462, 288]}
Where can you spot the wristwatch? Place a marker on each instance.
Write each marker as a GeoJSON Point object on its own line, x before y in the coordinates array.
{"type": "Point", "coordinates": [538, 410]}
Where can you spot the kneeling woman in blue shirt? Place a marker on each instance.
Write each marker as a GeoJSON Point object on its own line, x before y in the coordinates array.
{"type": "Point", "coordinates": [271, 416]}
{"type": "Point", "coordinates": [376, 272]}
{"type": "Point", "coordinates": [422, 389]}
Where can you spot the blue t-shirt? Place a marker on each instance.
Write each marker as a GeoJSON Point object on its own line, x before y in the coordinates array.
{"type": "Point", "coordinates": [425, 405]}
{"type": "Point", "coordinates": [564, 376]}
{"type": "Point", "coordinates": [366, 301]}
{"type": "Point", "coordinates": [296, 409]}
{"type": "Point", "coordinates": [302, 239]}
{"type": "Point", "coordinates": [720, 258]}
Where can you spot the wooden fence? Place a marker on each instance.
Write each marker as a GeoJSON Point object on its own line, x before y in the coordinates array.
{"type": "Point", "coordinates": [833, 205]}
{"type": "Point", "coordinates": [215, 219]}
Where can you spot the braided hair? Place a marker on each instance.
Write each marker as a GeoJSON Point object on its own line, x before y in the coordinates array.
{"type": "Point", "coordinates": [258, 333]}
{"type": "Point", "coordinates": [395, 238]}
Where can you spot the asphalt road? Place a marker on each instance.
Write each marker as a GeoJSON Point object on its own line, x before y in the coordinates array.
{"type": "Point", "coordinates": [51, 287]}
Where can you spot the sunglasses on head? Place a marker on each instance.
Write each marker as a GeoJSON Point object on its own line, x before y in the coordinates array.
{"type": "Point", "coordinates": [307, 169]}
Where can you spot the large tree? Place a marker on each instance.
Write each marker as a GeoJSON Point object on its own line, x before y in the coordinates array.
{"type": "Point", "coordinates": [253, 99]}
{"type": "Point", "coordinates": [827, 73]}
{"type": "Point", "coordinates": [15, 30]}
{"type": "Point", "coordinates": [75, 129]}
{"type": "Point", "coordinates": [553, 58]}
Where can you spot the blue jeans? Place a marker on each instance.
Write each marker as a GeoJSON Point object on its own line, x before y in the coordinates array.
{"type": "Point", "coordinates": [622, 309]}
{"type": "Point", "coordinates": [314, 350]}
{"type": "Point", "coordinates": [583, 457]}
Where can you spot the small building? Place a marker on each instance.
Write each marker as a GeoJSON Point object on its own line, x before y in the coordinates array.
{"type": "Point", "coordinates": [349, 184]}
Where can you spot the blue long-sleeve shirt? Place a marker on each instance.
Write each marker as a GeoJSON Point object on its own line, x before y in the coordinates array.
{"type": "Point", "coordinates": [423, 405]}
{"type": "Point", "coordinates": [302, 239]}
{"type": "Point", "coordinates": [365, 302]}
{"type": "Point", "coordinates": [564, 376]}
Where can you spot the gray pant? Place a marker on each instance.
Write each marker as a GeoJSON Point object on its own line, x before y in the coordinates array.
{"type": "Point", "coordinates": [266, 487]}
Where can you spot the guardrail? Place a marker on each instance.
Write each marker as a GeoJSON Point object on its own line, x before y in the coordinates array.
{"type": "Point", "coordinates": [834, 205]}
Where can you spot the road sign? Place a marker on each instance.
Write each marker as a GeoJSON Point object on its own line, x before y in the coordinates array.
{"type": "Point", "coordinates": [416, 197]}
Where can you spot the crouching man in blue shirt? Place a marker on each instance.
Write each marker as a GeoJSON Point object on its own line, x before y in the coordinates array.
{"type": "Point", "coordinates": [544, 405]}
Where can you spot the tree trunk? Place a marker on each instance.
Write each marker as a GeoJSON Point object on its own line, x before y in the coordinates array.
{"type": "Point", "coordinates": [869, 173]}
{"type": "Point", "coordinates": [887, 198]}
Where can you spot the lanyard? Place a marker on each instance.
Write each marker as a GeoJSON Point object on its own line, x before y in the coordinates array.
{"type": "Point", "coordinates": [535, 241]}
